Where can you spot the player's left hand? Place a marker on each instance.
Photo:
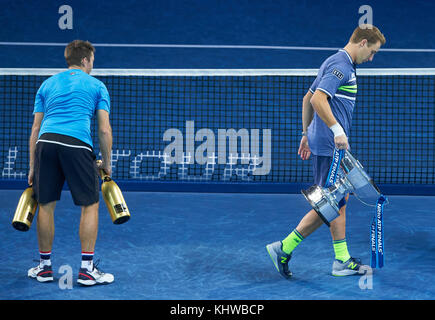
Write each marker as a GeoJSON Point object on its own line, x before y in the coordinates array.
{"type": "Point", "coordinates": [341, 142]}
{"type": "Point", "coordinates": [30, 177]}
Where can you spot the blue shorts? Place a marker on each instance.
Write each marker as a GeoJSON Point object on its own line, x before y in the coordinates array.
{"type": "Point", "coordinates": [321, 165]}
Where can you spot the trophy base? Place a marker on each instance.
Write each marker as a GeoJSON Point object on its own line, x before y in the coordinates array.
{"type": "Point", "coordinates": [319, 202]}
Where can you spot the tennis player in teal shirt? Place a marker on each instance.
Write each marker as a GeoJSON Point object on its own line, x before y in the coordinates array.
{"type": "Point", "coordinates": [69, 100]}
{"type": "Point", "coordinates": [61, 150]}
{"type": "Point", "coordinates": [326, 119]}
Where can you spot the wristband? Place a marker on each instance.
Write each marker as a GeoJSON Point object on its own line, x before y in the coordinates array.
{"type": "Point", "coordinates": [337, 130]}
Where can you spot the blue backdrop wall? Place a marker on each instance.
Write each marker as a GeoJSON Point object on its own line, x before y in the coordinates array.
{"type": "Point", "coordinates": [327, 24]}
{"type": "Point", "coordinates": [279, 34]}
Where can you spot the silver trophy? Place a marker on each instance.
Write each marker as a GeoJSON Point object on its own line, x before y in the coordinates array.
{"type": "Point", "coordinates": [351, 178]}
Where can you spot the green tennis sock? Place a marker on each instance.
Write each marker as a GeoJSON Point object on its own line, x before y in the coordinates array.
{"type": "Point", "coordinates": [292, 241]}
{"type": "Point", "coordinates": [340, 249]}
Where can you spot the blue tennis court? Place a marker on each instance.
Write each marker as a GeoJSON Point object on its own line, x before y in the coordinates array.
{"type": "Point", "coordinates": [199, 246]}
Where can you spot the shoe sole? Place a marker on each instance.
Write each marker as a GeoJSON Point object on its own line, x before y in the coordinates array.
{"type": "Point", "coordinates": [91, 282]}
{"type": "Point", "coordinates": [344, 273]}
{"type": "Point", "coordinates": [87, 282]}
{"type": "Point", "coordinates": [42, 279]}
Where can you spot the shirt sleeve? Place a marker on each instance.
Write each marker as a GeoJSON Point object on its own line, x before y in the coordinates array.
{"type": "Point", "coordinates": [315, 83]}
{"type": "Point", "coordinates": [103, 99]}
{"type": "Point", "coordinates": [39, 101]}
{"type": "Point", "coordinates": [332, 79]}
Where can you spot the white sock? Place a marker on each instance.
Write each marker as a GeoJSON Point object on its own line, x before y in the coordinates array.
{"type": "Point", "coordinates": [87, 260]}
{"type": "Point", "coordinates": [45, 258]}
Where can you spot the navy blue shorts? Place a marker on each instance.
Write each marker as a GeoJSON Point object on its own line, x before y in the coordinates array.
{"type": "Point", "coordinates": [60, 158]}
{"type": "Point", "coordinates": [321, 165]}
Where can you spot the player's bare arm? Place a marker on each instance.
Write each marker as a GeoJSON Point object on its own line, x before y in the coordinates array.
{"type": "Point", "coordinates": [307, 116]}
{"type": "Point", "coordinates": [32, 144]}
{"type": "Point", "coordinates": [320, 103]}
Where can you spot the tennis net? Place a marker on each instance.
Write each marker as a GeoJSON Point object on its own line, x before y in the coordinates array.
{"type": "Point", "coordinates": [235, 126]}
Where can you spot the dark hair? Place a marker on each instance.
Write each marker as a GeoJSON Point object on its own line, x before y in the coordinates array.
{"type": "Point", "coordinates": [76, 50]}
{"type": "Point", "coordinates": [368, 32]}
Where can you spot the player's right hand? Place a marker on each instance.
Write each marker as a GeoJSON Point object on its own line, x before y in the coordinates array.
{"type": "Point", "coordinates": [101, 165]}
{"type": "Point", "coordinates": [304, 150]}
{"type": "Point", "coordinates": [341, 142]}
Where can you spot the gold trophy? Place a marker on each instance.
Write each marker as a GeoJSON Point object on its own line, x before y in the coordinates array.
{"type": "Point", "coordinates": [25, 211]}
{"type": "Point", "coordinates": [113, 198]}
